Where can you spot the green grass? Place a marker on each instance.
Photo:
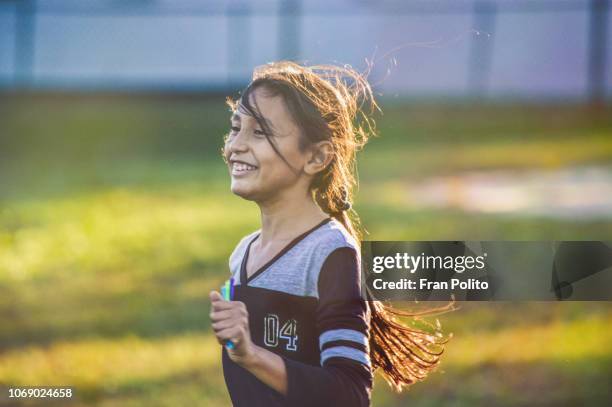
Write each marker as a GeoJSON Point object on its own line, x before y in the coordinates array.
{"type": "Point", "coordinates": [116, 220]}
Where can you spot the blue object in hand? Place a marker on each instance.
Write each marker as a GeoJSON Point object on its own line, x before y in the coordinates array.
{"type": "Point", "coordinates": [227, 292]}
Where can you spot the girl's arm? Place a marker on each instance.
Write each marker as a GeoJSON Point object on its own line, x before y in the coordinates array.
{"type": "Point", "coordinates": [267, 367]}
{"type": "Point", "coordinates": [345, 375]}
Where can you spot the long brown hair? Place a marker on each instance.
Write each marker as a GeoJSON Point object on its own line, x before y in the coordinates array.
{"type": "Point", "coordinates": [336, 103]}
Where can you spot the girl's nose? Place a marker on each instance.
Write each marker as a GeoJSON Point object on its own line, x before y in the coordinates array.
{"type": "Point", "coordinates": [237, 143]}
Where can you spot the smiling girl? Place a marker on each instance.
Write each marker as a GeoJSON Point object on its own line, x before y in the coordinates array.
{"type": "Point", "coordinates": [302, 333]}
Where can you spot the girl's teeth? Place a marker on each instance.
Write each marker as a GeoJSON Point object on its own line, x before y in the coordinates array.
{"type": "Point", "coordinates": [243, 167]}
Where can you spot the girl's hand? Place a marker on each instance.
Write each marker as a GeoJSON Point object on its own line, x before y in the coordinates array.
{"type": "Point", "coordinates": [230, 321]}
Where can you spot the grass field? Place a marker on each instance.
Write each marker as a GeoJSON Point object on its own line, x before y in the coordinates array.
{"type": "Point", "coordinates": [116, 220]}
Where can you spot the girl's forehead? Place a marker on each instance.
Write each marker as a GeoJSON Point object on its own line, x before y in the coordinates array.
{"type": "Point", "coordinates": [271, 108]}
{"type": "Point", "coordinates": [267, 105]}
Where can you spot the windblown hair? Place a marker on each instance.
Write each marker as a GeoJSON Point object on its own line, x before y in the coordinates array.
{"type": "Point", "coordinates": [329, 103]}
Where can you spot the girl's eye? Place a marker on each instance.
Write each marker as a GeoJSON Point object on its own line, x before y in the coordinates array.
{"type": "Point", "coordinates": [258, 133]}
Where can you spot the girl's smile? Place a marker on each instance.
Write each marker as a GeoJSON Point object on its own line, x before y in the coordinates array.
{"type": "Point", "coordinates": [241, 169]}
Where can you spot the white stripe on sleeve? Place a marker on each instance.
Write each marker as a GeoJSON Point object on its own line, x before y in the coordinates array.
{"type": "Point", "coordinates": [345, 352]}
{"type": "Point", "coordinates": [343, 334]}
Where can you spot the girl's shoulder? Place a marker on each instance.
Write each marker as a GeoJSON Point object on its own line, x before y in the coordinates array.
{"type": "Point", "coordinates": [331, 236]}
{"type": "Point", "coordinates": [313, 252]}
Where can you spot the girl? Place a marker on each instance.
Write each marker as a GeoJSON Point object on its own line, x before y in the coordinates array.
{"type": "Point", "coordinates": [302, 333]}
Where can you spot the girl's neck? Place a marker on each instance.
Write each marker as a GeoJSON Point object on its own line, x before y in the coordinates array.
{"type": "Point", "coordinates": [282, 221]}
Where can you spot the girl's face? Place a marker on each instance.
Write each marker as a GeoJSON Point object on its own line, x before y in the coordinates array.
{"type": "Point", "coordinates": [258, 173]}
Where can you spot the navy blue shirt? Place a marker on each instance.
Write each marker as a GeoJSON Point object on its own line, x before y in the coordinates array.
{"type": "Point", "coordinates": [305, 305]}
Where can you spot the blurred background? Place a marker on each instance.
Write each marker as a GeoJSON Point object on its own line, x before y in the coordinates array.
{"type": "Point", "coordinates": [116, 217]}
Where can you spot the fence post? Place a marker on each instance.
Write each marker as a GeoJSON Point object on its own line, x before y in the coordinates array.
{"type": "Point", "coordinates": [24, 42]}
{"type": "Point", "coordinates": [238, 17]}
{"type": "Point", "coordinates": [481, 50]}
{"type": "Point", "coordinates": [598, 27]}
{"type": "Point", "coordinates": [289, 29]}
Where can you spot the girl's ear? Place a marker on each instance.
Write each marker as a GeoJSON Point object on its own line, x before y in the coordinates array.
{"type": "Point", "coordinates": [320, 155]}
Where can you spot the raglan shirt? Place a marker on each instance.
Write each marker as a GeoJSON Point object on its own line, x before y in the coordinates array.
{"type": "Point", "coordinates": [305, 305]}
